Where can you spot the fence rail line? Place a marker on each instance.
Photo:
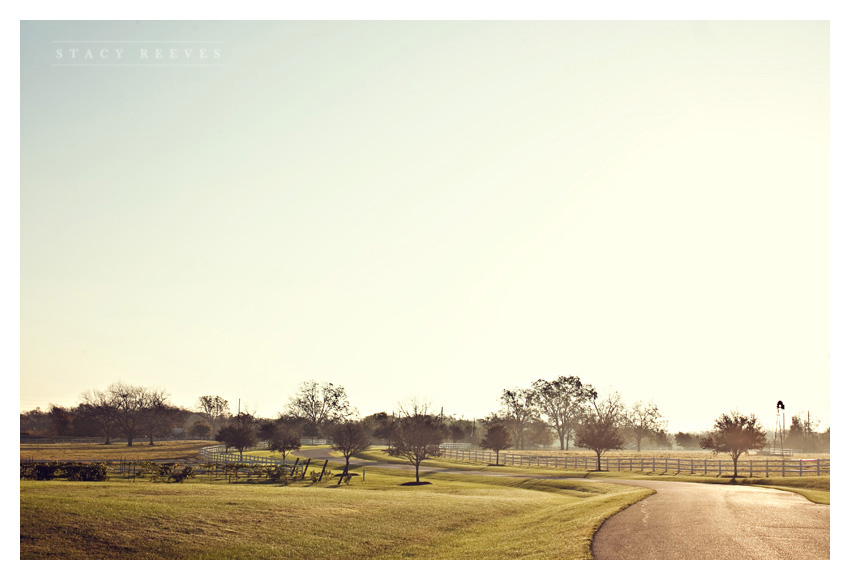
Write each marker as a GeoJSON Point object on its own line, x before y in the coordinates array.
{"type": "Point", "coordinates": [746, 467]}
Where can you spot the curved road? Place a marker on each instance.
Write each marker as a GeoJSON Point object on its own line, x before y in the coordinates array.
{"type": "Point", "coordinates": [695, 521]}
{"type": "Point", "coordinates": [701, 521]}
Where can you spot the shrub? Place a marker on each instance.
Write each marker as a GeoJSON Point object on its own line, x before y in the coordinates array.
{"type": "Point", "coordinates": [85, 471]}
{"type": "Point", "coordinates": [180, 476]}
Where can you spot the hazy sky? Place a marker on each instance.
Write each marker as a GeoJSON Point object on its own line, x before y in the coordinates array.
{"type": "Point", "coordinates": [438, 210]}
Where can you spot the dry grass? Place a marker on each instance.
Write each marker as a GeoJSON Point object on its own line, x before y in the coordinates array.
{"type": "Point", "coordinates": [472, 518]}
{"type": "Point", "coordinates": [140, 451]}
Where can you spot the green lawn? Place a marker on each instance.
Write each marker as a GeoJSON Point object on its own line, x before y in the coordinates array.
{"type": "Point", "coordinates": [451, 518]}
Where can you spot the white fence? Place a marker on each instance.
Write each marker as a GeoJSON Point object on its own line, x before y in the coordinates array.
{"type": "Point", "coordinates": [746, 467]}
{"type": "Point", "coordinates": [218, 454]}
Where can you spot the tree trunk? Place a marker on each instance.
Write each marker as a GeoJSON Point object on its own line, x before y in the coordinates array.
{"type": "Point", "coordinates": [417, 472]}
{"type": "Point", "coordinates": [598, 461]}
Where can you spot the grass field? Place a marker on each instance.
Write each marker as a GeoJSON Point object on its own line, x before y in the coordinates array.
{"type": "Point", "coordinates": [451, 518]}
{"type": "Point", "coordinates": [140, 451]}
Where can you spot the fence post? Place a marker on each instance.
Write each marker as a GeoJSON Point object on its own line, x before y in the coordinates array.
{"type": "Point", "coordinates": [800, 468]}
{"type": "Point", "coordinates": [751, 468]}
{"type": "Point", "coordinates": [817, 462]}
{"type": "Point", "coordinates": [783, 466]}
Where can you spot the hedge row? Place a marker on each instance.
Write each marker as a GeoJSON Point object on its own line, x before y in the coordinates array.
{"type": "Point", "coordinates": [70, 470]}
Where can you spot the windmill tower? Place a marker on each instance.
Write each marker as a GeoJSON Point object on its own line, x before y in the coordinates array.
{"type": "Point", "coordinates": [779, 430]}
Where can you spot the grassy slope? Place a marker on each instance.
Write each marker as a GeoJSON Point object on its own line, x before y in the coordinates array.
{"type": "Point", "coordinates": [813, 488]}
{"type": "Point", "coordinates": [472, 518]}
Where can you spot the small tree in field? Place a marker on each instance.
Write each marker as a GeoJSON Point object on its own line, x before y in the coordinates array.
{"type": "Point", "coordinates": [241, 434]}
{"type": "Point", "coordinates": [735, 434]}
{"type": "Point", "coordinates": [283, 439]}
{"type": "Point", "coordinates": [349, 438]}
{"type": "Point", "coordinates": [600, 428]}
{"type": "Point", "coordinates": [416, 436]}
{"type": "Point", "coordinates": [497, 438]}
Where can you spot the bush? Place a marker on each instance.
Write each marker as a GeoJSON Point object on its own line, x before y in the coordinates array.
{"type": "Point", "coordinates": [85, 471]}
{"type": "Point", "coordinates": [180, 476]}
{"type": "Point", "coordinates": [73, 471]}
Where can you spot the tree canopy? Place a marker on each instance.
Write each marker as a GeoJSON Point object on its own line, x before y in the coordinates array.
{"type": "Point", "coordinates": [735, 434]}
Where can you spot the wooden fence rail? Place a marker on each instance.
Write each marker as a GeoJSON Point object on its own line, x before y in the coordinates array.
{"type": "Point", "coordinates": [746, 467]}
{"type": "Point", "coordinates": [218, 454]}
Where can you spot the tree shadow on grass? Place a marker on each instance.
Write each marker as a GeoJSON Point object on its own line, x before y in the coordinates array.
{"type": "Point", "coordinates": [417, 483]}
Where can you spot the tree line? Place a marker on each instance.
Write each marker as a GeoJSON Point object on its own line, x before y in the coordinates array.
{"type": "Point", "coordinates": [562, 409]}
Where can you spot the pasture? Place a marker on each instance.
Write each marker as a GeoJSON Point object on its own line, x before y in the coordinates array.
{"type": "Point", "coordinates": [451, 518]}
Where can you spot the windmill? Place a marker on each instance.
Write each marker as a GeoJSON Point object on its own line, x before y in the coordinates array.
{"type": "Point", "coordinates": [779, 430]}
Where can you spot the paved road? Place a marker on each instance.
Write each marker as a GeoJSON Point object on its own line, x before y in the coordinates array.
{"type": "Point", "coordinates": [696, 521]}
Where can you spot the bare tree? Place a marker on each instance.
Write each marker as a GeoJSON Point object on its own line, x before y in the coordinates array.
{"type": "Point", "coordinates": [130, 404]}
{"type": "Point", "coordinates": [519, 409]}
{"type": "Point", "coordinates": [563, 402]}
{"type": "Point", "coordinates": [416, 435]}
{"type": "Point", "coordinates": [644, 419]}
{"type": "Point", "coordinates": [349, 438]}
{"type": "Point", "coordinates": [98, 409]}
{"type": "Point", "coordinates": [320, 404]}
{"type": "Point", "coordinates": [497, 438]}
{"type": "Point", "coordinates": [735, 434]}
{"type": "Point", "coordinates": [158, 416]}
{"type": "Point", "coordinates": [214, 409]}
{"type": "Point", "coordinates": [600, 428]}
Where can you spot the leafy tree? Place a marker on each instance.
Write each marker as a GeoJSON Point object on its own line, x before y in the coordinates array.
{"type": "Point", "coordinates": [62, 420]}
{"type": "Point", "coordinates": [539, 433]}
{"type": "Point", "coordinates": [687, 440]}
{"type": "Point", "coordinates": [519, 409]}
{"type": "Point", "coordinates": [735, 434]}
{"type": "Point", "coordinates": [200, 430]}
{"type": "Point", "coordinates": [497, 438]}
{"type": "Point", "coordinates": [416, 435]}
{"type": "Point", "coordinates": [378, 426]}
{"type": "Point", "coordinates": [36, 422]}
{"type": "Point", "coordinates": [802, 433]}
{"type": "Point", "coordinates": [644, 419]}
{"type": "Point", "coordinates": [214, 409]}
{"type": "Point", "coordinates": [563, 402]}
{"type": "Point", "coordinates": [240, 434]}
{"type": "Point", "coordinates": [284, 438]}
{"type": "Point", "coordinates": [319, 405]}
{"type": "Point", "coordinates": [600, 430]}
{"type": "Point", "coordinates": [456, 433]}
{"type": "Point", "coordinates": [349, 438]}
{"type": "Point", "coordinates": [661, 439]}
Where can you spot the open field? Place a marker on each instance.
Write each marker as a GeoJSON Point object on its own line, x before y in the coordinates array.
{"type": "Point", "coordinates": [813, 488]}
{"type": "Point", "coordinates": [451, 518]}
{"type": "Point", "coordinates": [139, 451]}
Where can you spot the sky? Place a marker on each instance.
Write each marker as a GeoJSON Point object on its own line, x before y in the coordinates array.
{"type": "Point", "coordinates": [436, 210]}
